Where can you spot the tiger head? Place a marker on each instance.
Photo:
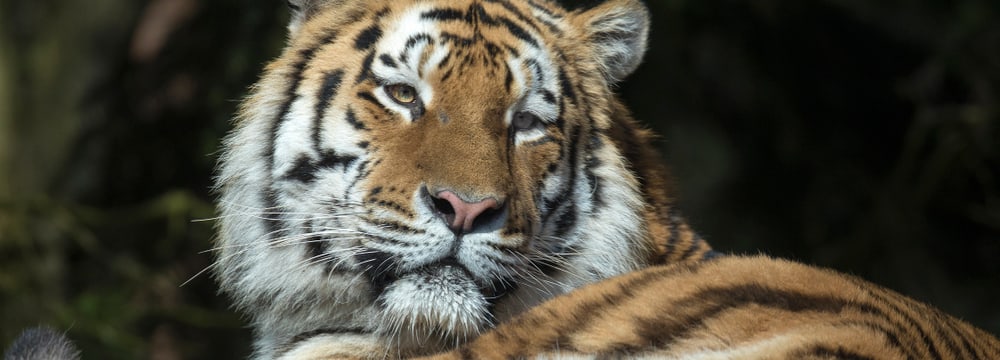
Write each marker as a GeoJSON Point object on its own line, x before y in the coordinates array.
{"type": "Point", "coordinates": [417, 171]}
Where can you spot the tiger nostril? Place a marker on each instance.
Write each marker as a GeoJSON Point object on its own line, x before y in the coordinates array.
{"type": "Point", "coordinates": [442, 206]}
{"type": "Point", "coordinates": [491, 214]}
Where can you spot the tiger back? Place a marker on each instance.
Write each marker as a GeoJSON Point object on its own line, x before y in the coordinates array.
{"type": "Point", "coordinates": [408, 174]}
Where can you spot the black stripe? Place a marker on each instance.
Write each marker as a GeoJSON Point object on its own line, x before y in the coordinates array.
{"type": "Point", "coordinates": [946, 331]}
{"type": "Point", "coordinates": [448, 14]}
{"type": "Point", "coordinates": [399, 208]}
{"type": "Point", "coordinates": [477, 14]}
{"type": "Point", "coordinates": [512, 51]}
{"type": "Point", "coordinates": [563, 197]}
{"type": "Point", "coordinates": [303, 170]}
{"type": "Point", "coordinates": [911, 322]}
{"type": "Point", "coordinates": [954, 329]}
{"type": "Point", "coordinates": [586, 311]}
{"type": "Point", "coordinates": [691, 313]}
{"type": "Point", "coordinates": [492, 49]}
{"type": "Point", "coordinates": [444, 62]}
{"type": "Point", "coordinates": [330, 159]}
{"type": "Point", "coordinates": [518, 32]}
{"type": "Point", "coordinates": [457, 40]}
{"type": "Point", "coordinates": [517, 13]}
{"type": "Point", "coordinates": [387, 60]}
{"type": "Point", "coordinates": [693, 247]}
{"type": "Point", "coordinates": [412, 41]}
{"type": "Point", "coordinates": [536, 70]}
{"type": "Point", "coordinates": [352, 119]}
{"type": "Point", "coordinates": [567, 220]}
{"type": "Point", "coordinates": [446, 76]}
{"type": "Point", "coordinates": [357, 179]}
{"type": "Point", "coordinates": [366, 68]}
{"type": "Point", "coordinates": [364, 95]}
{"type": "Point", "coordinates": [367, 37]}
{"type": "Point", "coordinates": [890, 334]}
{"type": "Point", "coordinates": [548, 96]}
{"type": "Point", "coordinates": [567, 86]}
{"type": "Point", "coordinates": [508, 80]}
{"type": "Point", "coordinates": [331, 84]}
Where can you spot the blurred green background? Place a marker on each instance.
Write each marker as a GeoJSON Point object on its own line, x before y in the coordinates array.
{"type": "Point", "coordinates": [860, 135]}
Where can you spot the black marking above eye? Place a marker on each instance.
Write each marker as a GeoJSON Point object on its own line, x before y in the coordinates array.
{"type": "Point", "coordinates": [524, 120]}
{"type": "Point", "coordinates": [367, 37]}
{"type": "Point", "coordinates": [387, 60]}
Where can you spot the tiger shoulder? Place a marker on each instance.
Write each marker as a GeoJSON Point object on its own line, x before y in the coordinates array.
{"type": "Point", "coordinates": [734, 307]}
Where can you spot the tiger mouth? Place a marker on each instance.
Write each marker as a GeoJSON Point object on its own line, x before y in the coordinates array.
{"type": "Point", "coordinates": [448, 269]}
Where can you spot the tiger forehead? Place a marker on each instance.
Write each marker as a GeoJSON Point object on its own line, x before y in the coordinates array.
{"type": "Point", "coordinates": [494, 26]}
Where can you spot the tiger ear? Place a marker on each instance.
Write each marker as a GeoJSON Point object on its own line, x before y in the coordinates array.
{"type": "Point", "coordinates": [616, 32]}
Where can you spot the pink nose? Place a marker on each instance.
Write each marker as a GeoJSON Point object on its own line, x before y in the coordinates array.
{"type": "Point", "coordinates": [462, 214]}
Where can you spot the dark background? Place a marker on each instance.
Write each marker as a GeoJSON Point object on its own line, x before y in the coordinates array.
{"type": "Point", "coordinates": [855, 134]}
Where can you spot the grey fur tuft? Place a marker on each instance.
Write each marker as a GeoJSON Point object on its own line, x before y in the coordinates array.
{"type": "Point", "coordinates": [42, 343]}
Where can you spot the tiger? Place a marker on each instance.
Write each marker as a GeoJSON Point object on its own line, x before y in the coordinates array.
{"type": "Point", "coordinates": [458, 179]}
{"type": "Point", "coordinates": [408, 174]}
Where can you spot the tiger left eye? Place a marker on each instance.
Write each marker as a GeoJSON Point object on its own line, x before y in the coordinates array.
{"type": "Point", "coordinates": [403, 94]}
{"type": "Point", "coordinates": [524, 120]}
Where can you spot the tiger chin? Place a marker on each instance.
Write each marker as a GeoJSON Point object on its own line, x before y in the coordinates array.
{"type": "Point", "coordinates": [408, 174]}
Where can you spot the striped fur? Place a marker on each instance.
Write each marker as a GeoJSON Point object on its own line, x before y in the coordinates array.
{"type": "Point", "coordinates": [733, 308]}
{"type": "Point", "coordinates": [333, 231]}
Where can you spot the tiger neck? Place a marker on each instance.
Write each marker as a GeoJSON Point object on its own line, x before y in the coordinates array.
{"type": "Point", "coordinates": [672, 237]}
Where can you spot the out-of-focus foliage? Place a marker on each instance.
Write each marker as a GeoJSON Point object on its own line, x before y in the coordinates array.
{"type": "Point", "coordinates": [859, 135]}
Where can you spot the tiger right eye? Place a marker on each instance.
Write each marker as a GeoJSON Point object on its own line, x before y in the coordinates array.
{"type": "Point", "coordinates": [402, 93]}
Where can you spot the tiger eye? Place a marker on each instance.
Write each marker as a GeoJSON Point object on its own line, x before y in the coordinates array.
{"type": "Point", "coordinates": [403, 94]}
{"type": "Point", "coordinates": [524, 120]}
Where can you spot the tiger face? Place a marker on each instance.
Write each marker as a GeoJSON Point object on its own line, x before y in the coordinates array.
{"type": "Point", "coordinates": [416, 171]}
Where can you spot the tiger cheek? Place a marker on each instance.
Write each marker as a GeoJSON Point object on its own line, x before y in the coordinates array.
{"type": "Point", "coordinates": [536, 165]}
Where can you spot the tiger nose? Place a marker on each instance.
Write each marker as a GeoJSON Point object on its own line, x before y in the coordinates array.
{"type": "Point", "coordinates": [463, 216]}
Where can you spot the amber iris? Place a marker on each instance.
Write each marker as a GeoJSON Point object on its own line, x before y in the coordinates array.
{"type": "Point", "coordinates": [403, 94]}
